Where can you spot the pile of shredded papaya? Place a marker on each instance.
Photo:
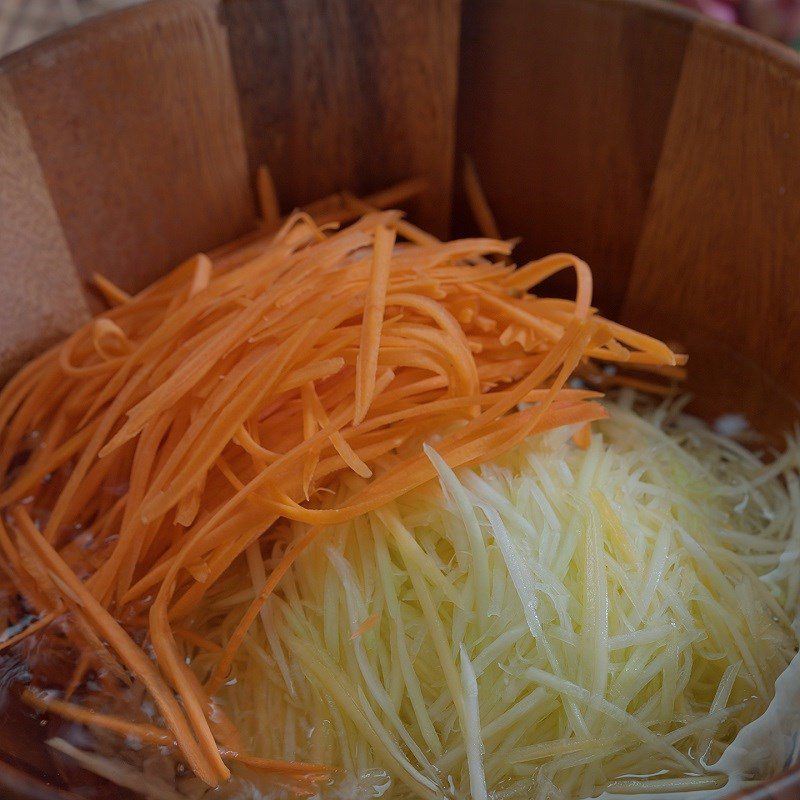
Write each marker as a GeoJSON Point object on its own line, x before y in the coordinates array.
{"type": "Point", "coordinates": [167, 437]}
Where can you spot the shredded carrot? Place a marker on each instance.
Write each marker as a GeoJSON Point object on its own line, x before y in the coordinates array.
{"type": "Point", "coordinates": [372, 323]}
{"type": "Point", "coordinates": [133, 656]}
{"type": "Point", "coordinates": [152, 734]}
{"type": "Point", "coordinates": [395, 196]}
{"type": "Point", "coordinates": [78, 674]}
{"type": "Point", "coordinates": [201, 275]}
{"type": "Point", "coordinates": [367, 625]}
{"type": "Point", "coordinates": [651, 387]}
{"type": "Point", "coordinates": [479, 205]}
{"type": "Point", "coordinates": [192, 637]}
{"type": "Point", "coordinates": [583, 436]}
{"type": "Point", "coordinates": [226, 404]}
{"type": "Point", "coordinates": [31, 629]}
{"type": "Point", "coordinates": [111, 292]}
{"type": "Point", "coordinates": [267, 198]}
{"type": "Point", "coordinates": [225, 661]}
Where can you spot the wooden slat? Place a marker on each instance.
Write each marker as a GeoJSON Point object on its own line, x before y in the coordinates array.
{"type": "Point", "coordinates": [41, 299]}
{"type": "Point", "coordinates": [135, 122]}
{"type": "Point", "coordinates": [718, 265]}
{"type": "Point", "coordinates": [349, 94]}
{"type": "Point", "coordinates": [564, 109]}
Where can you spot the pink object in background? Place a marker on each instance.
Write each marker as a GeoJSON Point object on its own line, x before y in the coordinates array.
{"type": "Point", "coordinates": [779, 19]}
{"type": "Point", "coordinates": [723, 10]}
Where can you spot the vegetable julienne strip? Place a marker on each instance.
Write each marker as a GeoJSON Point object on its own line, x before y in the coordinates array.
{"type": "Point", "coordinates": [502, 484]}
{"type": "Point", "coordinates": [481, 210]}
{"type": "Point", "coordinates": [374, 308]}
{"type": "Point", "coordinates": [120, 773]}
{"type": "Point", "coordinates": [646, 688]}
{"type": "Point", "coordinates": [226, 659]}
{"type": "Point", "coordinates": [152, 734]}
{"type": "Point", "coordinates": [247, 384]}
{"type": "Point", "coordinates": [267, 198]}
{"type": "Point", "coordinates": [135, 658]}
{"type": "Point", "coordinates": [31, 629]}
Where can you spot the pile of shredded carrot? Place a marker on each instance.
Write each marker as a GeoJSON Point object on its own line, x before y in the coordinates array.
{"type": "Point", "coordinates": [164, 439]}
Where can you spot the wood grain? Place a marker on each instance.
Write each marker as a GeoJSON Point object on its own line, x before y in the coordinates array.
{"type": "Point", "coordinates": [135, 123]}
{"type": "Point", "coordinates": [41, 299]}
{"type": "Point", "coordinates": [718, 257]}
{"type": "Point", "coordinates": [563, 108]}
{"type": "Point", "coordinates": [352, 94]}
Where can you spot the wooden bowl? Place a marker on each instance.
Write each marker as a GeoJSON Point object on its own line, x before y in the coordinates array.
{"type": "Point", "coordinates": [661, 147]}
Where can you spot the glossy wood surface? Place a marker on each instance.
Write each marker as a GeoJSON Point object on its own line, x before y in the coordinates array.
{"type": "Point", "coordinates": [352, 94]}
{"type": "Point", "coordinates": [718, 259]}
{"type": "Point", "coordinates": [564, 110]}
{"type": "Point", "coordinates": [134, 120]}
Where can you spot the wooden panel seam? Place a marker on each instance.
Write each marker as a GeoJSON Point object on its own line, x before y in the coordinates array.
{"type": "Point", "coordinates": [568, 151]}
{"type": "Point", "coordinates": [142, 150]}
{"type": "Point", "coordinates": [716, 255]}
{"type": "Point", "coordinates": [42, 300]}
{"type": "Point", "coordinates": [338, 94]}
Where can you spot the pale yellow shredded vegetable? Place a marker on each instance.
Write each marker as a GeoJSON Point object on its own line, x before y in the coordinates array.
{"type": "Point", "coordinates": [545, 625]}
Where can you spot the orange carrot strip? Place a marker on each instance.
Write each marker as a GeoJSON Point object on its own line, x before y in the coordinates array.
{"type": "Point", "coordinates": [199, 759]}
{"type": "Point", "coordinates": [199, 641]}
{"type": "Point", "coordinates": [201, 275]}
{"type": "Point", "coordinates": [367, 361]}
{"type": "Point", "coordinates": [152, 734]}
{"type": "Point", "coordinates": [226, 659]}
{"type": "Point", "coordinates": [367, 625]}
{"type": "Point", "coordinates": [35, 626]}
{"type": "Point", "coordinates": [583, 436]}
{"type": "Point", "coordinates": [113, 294]}
{"type": "Point", "coordinates": [528, 276]}
{"type": "Point", "coordinates": [267, 197]}
{"type": "Point", "coordinates": [337, 440]}
{"type": "Point", "coordinates": [159, 443]}
{"type": "Point", "coordinates": [478, 204]}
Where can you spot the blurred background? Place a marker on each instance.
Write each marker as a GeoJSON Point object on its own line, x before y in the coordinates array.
{"type": "Point", "coordinates": [779, 19]}
{"type": "Point", "coordinates": [22, 21]}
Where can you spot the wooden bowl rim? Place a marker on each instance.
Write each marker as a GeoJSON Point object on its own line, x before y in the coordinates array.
{"type": "Point", "coordinates": [103, 25]}
{"type": "Point", "coordinates": [736, 35]}
{"type": "Point", "coordinates": [754, 44]}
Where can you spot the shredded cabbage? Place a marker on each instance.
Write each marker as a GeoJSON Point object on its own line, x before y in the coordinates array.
{"type": "Point", "coordinates": [554, 624]}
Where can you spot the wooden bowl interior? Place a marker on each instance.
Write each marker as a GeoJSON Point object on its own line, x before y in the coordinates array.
{"type": "Point", "coordinates": [660, 147]}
